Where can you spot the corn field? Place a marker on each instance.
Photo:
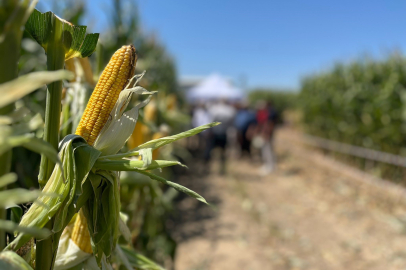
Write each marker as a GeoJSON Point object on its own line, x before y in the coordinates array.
{"type": "Point", "coordinates": [96, 198]}
{"type": "Point", "coordinates": [361, 103]}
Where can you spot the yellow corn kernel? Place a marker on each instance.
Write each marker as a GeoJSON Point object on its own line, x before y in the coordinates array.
{"type": "Point", "coordinates": [157, 135]}
{"type": "Point", "coordinates": [171, 102]}
{"type": "Point", "coordinates": [146, 133]}
{"type": "Point", "coordinates": [80, 234]}
{"type": "Point", "coordinates": [113, 79]}
{"type": "Point", "coordinates": [150, 111]}
{"type": "Point", "coordinates": [137, 137]}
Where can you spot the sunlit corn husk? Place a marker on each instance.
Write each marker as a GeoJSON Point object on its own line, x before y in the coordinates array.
{"type": "Point", "coordinates": [69, 254]}
{"type": "Point", "coordinates": [53, 193]}
{"type": "Point", "coordinates": [117, 131]}
{"type": "Point", "coordinates": [51, 198]}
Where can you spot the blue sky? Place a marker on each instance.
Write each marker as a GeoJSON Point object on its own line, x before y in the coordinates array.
{"type": "Point", "coordinates": [270, 43]}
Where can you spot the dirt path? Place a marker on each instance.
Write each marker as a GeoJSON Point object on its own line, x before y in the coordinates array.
{"type": "Point", "coordinates": [309, 214]}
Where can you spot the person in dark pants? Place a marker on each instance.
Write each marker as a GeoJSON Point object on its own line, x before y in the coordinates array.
{"type": "Point", "coordinates": [243, 120]}
{"type": "Point", "coordinates": [224, 113]}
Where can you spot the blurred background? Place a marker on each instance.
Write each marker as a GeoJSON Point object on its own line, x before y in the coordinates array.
{"type": "Point", "coordinates": [307, 170]}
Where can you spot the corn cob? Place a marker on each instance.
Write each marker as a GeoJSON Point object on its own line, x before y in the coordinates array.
{"type": "Point", "coordinates": [113, 79]}
{"type": "Point", "coordinates": [171, 102]}
{"type": "Point", "coordinates": [80, 234]}
{"type": "Point", "coordinates": [157, 135]}
{"type": "Point", "coordinates": [137, 137]}
{"type": "Point", "coordinates": [150, 111]}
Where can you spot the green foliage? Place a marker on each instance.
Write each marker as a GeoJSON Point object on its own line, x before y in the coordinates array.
{"type": "Point", "coordinates": [74, 39]}
{"type": "Point", "coordinates": [69, 187]}
{"type": "Point", "coordinates": [64, 193]}
{"type": "Point", "coordinates": [139, 261]}
{"type": "Point", "coordinates": [11, 261]}
{"type": "Point", "coordinates": [281, 100]}
{"type": "Point", "coordinates": [361, 103]}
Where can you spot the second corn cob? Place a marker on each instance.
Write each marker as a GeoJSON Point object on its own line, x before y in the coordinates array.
{"type": "Point", "coordinates": [80, 234]}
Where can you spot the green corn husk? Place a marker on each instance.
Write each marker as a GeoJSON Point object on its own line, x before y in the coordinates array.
{"type": "Point", "coordinates": [65, 191]}
{"type": "Point", "coordinates": [103, 212]}
{"type": "Point", "coordinates": [11, 261]}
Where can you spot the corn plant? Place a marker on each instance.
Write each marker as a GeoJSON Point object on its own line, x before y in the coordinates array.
{"type": "Point", "coordinates": [80, 198]}
{"type": "Point", "coordinates": [361, 103]}
{"type": "Point", "coordinates": [17, 128]}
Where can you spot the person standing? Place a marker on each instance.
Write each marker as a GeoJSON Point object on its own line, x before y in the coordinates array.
{"type": "Point", "coordinates": [243, 120]}
{"type": "Point", "coordinates": [201, 117]}
{"type": "Point", "coordinates": [224, 113]}
{"type": "Point", "coordinates": [266, 123]}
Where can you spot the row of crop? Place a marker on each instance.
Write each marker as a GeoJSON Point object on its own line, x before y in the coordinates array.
{"type": "Point", "coordinates": [362, 103]}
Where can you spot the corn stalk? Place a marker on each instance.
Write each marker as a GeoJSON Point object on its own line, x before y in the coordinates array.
{"type": "Point", "coordinates": [61, 41]}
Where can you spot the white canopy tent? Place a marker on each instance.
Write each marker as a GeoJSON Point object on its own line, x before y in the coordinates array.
{"type": "Point", "coordinates": [212, 88]}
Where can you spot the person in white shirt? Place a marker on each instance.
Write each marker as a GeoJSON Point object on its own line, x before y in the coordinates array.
{"type": "Point", "coordinates": [224, 113]}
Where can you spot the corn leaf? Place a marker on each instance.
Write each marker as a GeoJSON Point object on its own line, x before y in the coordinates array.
{"type": "Point", "coordinates": [139, 261]}
{"type": "Point", "coordinates": [73, 38]}
{"type": "Point", "coordinates": [16, 212]}
{"type": "Point", "coordinates": [13, 15]}
{"type": "Point", "coordinates": [30, 142]}
{"type": "Point", "coordinates": [12, 261]}
{"type": "Point", "coordinates": [154, 144]}
{"type": "Point", "coordinates": [42, 147]}
{"type": "Point", "coordinates": [12, 227]}
{"type": "Point", "coordinates": [33, 124]}
{"type": "Point", "coordinates": [123, 228]}
{"type": "Point", "coordinates": [7, 179]}
{"type": "Point", "coordinates": [17, 195]}
{"type": "Point", "coordinates": [133, 165]}
{"type": "Point", "coordinates": [18, 88]}
{"type": "Point", "coordinates": [176, 186]}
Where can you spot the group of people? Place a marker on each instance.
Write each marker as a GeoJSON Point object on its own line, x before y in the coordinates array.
{"type": "Point", "coordinates": [254, 129]}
